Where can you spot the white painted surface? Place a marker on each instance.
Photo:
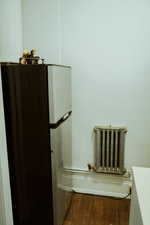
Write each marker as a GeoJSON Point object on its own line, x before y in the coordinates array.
{"type": "Point", "coordinates": [41, 28]}
{"type": "Point", "coordinates": [97, 184]}
{"type": "Point", "coordinates": [135, 214]}
{"type": "Point", "coordinates": [141, 207]}
{"type": "Point", "coordinates": [59, 87]}
{"type": "Point", "coordinates": [107, 44]}
{"type": "Point", "coordinates": [60, 139]}
{"type": "Point", "coordinates": [10, 50]}
{"type": "Point", "coordinates": [2, 205]}
{"type": "Point", "coordinates": [5, 195]}
{"type": "Point", "coordinates": [66, 142]}
{"type": "Point", "coordinates": [10, 30]}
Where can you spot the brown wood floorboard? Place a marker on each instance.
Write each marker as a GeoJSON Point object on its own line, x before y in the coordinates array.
{"type": "Point", "coordinates": [97, 210]}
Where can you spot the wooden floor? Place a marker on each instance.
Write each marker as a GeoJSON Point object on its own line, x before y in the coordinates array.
{"type": "Point", "coordinates": [96, 210]}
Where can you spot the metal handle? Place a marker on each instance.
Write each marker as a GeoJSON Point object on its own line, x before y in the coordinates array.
{"type": "Point", "coordinates": [59, 122]}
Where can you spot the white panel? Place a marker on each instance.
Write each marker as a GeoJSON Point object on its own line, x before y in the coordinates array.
{"type": "Point", "coordinates": [2, 205]}
{"type": "Point", "coordinates": [60, 145]}
{"type": "Point", "coordinates": [66, 143]}
{"type": "Point", "coordinates": [59, 82]}
{"type": "Point", "coordinates": [140, 205]}
{"type": "Point", "coordinates": [6, 217]}
{"type": "Point", "coordinates": [135, 214]}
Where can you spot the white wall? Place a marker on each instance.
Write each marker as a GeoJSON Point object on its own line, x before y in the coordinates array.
{"type": "Point", "coordinates": [10, 50]}
{"type": "Point", "coordinates": [107, 44]}
{"type": "Point", "coordinates": [5, 195]}
{"type": "Point", "coordinates": [2, 208]}
{"type": "Point", "coordinates": [41, 28]}
{"type": "Point", "coordinates": [10, 30]}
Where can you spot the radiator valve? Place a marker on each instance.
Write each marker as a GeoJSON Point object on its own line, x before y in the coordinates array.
{"type": "Point", "coordinates": [91, 167]}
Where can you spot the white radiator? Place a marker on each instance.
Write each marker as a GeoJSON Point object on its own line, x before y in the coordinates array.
{"type": "Point", "coordinates": [109, 149]}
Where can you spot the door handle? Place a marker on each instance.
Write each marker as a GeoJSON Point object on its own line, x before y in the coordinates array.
{"type": "Point", "coordinates": [59, 122]}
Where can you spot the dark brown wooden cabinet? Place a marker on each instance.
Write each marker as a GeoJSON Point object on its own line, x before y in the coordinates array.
{"type": "Point", "coordinates": [25, 94]}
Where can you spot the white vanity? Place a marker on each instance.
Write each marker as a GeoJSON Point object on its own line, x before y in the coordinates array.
{"type": "Point", "coordinates": [140, 201]}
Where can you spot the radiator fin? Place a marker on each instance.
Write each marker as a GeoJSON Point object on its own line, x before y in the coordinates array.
{"type": "Point", "coordinates": [109, 149]}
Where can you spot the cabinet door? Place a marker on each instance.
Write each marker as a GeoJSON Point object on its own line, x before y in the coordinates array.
{"type": "Point", "coordinates": [26, 114]}
{"type": "Point", "coordinates": [61, 142]}
{"type": "Point", "coordinates": [59, 86]}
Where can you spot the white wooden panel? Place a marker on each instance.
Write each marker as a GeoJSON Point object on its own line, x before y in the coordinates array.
{"type": "Point", "coordinates": [135, 214]}
{"type": "Point", "coordinates": [5, 195]}
{"type": "Point", "coordinates": [140, 204]}
{"type": "Point", "coordinates": [59, 83]}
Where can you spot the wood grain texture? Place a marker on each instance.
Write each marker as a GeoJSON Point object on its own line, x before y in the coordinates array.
{"type": "Point", "coordinates": [97, 210]}
{"type": "Point", "coordinates": [25, 91]}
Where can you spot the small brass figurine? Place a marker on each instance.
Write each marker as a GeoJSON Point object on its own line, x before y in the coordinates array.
{"type": "Point", "coordinates": [30, 58]}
